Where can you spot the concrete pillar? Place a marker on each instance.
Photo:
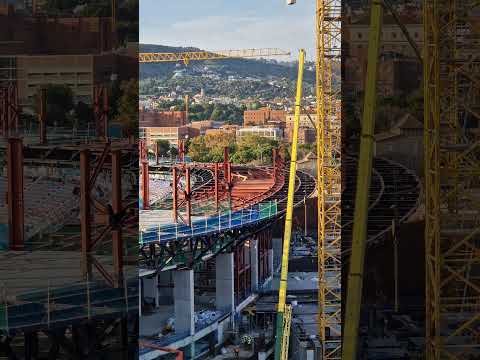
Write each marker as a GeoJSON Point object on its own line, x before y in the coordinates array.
{"type": "Point", "coordinates": [254, 264]}
{"type": "Point", "coordinates": [270, 261]}
{"type": "Point", "coordinates": [150, 289]}
{"type": "Point", "coordinates": [140, 296]}
{"type": "Point", "coordinates": [224, 282]}
{"type": "Point", "coordinates": [184, 301]}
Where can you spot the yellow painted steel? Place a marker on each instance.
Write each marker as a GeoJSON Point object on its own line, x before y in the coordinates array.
{"type": "Point", "coordinates": [282, 293]}
{"type": "Point", "coordinates": [188, 56]}
{"type": "Point", "coordinates": [329, 176]}
{"type": "Point", "coordinates": [452, 209]}
{"type": "Point", "coordinates": [355, 275]}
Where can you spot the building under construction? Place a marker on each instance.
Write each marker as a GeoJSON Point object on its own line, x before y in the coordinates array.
{"type": "Point", "coordinates": [69, 284]}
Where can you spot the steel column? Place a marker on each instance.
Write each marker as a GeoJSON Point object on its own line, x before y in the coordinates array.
{"type": "Point", "coordinates": [85, 213]}
{"type": "Point", "coordinates": [188, 196]}
{"type": "Point", "coordinates": [42, 116]}
{"type": "Point", "coordinates": [101, 108]}
{"type": "Point", "coordinates": [217, 180]}
{"type": "Point", "coordinates": [145, 186]}
{"type": "Point", "coordinates": [15, 194]}
{"type": "Point", "coordinates": [117, 241]}
{"type": "Point", "coordinates": [175, 194]}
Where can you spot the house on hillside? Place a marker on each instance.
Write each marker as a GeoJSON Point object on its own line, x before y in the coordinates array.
{"type": "Point", "coordinates": [403, 143]}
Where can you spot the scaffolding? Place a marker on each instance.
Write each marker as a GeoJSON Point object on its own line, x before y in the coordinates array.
{"type": "Point", "coordinates": [451, 99]}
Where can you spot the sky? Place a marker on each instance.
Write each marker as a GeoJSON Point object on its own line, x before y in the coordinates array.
{"type": "Point", "coordinates": [229, 24]}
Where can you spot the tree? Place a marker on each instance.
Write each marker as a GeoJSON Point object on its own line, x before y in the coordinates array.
{"type": "Point", "coordinates": [83, 113]}
{"type": "Point", "coordinates": [128, 107]}
{"type": "Point", "coordinates": [163, 147]}
{"type": "Point", "coordinates": [198, 149]}
{"type": "Point", "coordinates": [59, 104]}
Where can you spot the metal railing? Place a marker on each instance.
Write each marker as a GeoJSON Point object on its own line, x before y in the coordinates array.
{"type": "Point", "coordinates": [209, 225]}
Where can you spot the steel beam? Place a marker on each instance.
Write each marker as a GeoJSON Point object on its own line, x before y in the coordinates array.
{"type": "Point", "coordinates": [42, 116]}
{"type": "Point", "coordinates": [188, 196]}
{"type": "Point", "coordinates": [117, 241]}
{"type": "Point", "coordinates": [175, 194]}
{"type": "Point", "coordinates": [85, 214]}
{"type": "Point", "coordinates": [145, 186]}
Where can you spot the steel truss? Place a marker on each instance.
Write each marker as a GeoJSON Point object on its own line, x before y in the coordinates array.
{"type": "Point", "coordinates": [329, 176]}
{"type": "Point", "coordinates": [452, 160]}
{"type": "Point", "coordinates": [186, 253]}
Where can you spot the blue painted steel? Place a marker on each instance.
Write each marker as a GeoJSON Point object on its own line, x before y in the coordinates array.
{"type": "Point", "coordinates": [214, 224]}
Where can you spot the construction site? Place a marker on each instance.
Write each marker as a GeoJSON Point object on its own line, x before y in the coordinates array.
{"type": "Point", "coordinates": [366, 250]}
{"type": "Point", "coordinates": [68, 210]}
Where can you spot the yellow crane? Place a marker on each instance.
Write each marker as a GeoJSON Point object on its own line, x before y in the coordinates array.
{"type": "Point", "coordinates": [283, 310]}
{"type": "Point", "coordinates": [452, 254]}
{"type": "Point", "coordinates": [329, 175]}
{"type": "Point", "coordinates": [186, 57]}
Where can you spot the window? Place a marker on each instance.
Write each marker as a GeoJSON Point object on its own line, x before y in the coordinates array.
{"type": "Point", "coordinates": [394, 35]}
{"type": "Point", "coordinates": [359, 35]}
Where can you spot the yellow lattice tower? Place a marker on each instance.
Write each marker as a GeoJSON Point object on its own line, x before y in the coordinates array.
{"type": "Point", "coordinates": [329, 175]}
{"type": "Point", "coordinates": [452, 178]}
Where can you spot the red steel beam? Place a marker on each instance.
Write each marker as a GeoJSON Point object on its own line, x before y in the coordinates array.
{"type": "Point", "coordinates": [175, 194]}
{"type": "Point", "coordinates": [145, 186]}
{"type": "Point", "coordinates": [15, 194]}
{"type": "Point", "coordinates": [188, 196]}
{"type": "Point", "coordinates": [217, 180]}
{"type": "Point", "coordinates": [42, 116]}
{"type": "Point", "coordinates": [117, 241]}
{"type": "Point", "coordinates": [101, 108]}
{"type": "Point", "coordinates": [178, 356]}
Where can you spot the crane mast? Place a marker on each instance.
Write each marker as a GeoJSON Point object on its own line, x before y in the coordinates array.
{"type": "Point", "coordinates": [329, 176]}
{"type": "Point", "coordinates": [452, 160]}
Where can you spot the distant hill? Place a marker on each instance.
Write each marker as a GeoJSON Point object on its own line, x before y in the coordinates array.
{"type": "Point", "coordinates": [241, 67]}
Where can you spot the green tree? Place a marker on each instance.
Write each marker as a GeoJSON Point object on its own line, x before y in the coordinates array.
{"type": "Point", "coordinates": [163, 147]}
{"type": "Point", "coordinates": [59, 104]}
{"type": "Point", "coordinates": [83, 113]}
{"type": "Point", "coordinates": [128, 107]}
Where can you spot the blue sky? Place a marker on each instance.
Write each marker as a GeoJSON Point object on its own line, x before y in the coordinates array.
{"type": "Point", "coordinates": [229, 24]}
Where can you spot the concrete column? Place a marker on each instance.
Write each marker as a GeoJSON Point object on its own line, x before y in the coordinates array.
{"type": "Point", "coordinates": [270, 261]}
{"type": "Point", "coordinates": [254, 264]}
{"type": "Point", "coordinates": [224, 282]}
{"type": "Point", "coordinates": [184, 301]}
{"type": "Point", "coordinates": [140, 296]}
{"type": "Point", "coordinates": [150, 289]}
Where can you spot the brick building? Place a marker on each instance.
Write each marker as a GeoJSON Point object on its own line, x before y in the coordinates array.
{"type": "Point", "coordinates": [163, 118]}
{"type": "Point", "coordinates": [306, 131]}
{"type": "Point", "coordinates": [264, 116]}
{"type": "Point", "coordinates": [399, 69]}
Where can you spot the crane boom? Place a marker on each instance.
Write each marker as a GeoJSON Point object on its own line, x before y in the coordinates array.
{"type": "Point", "coordinates": [188, 56]}
{"type": "Point", "coordinates": [282, 292]}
